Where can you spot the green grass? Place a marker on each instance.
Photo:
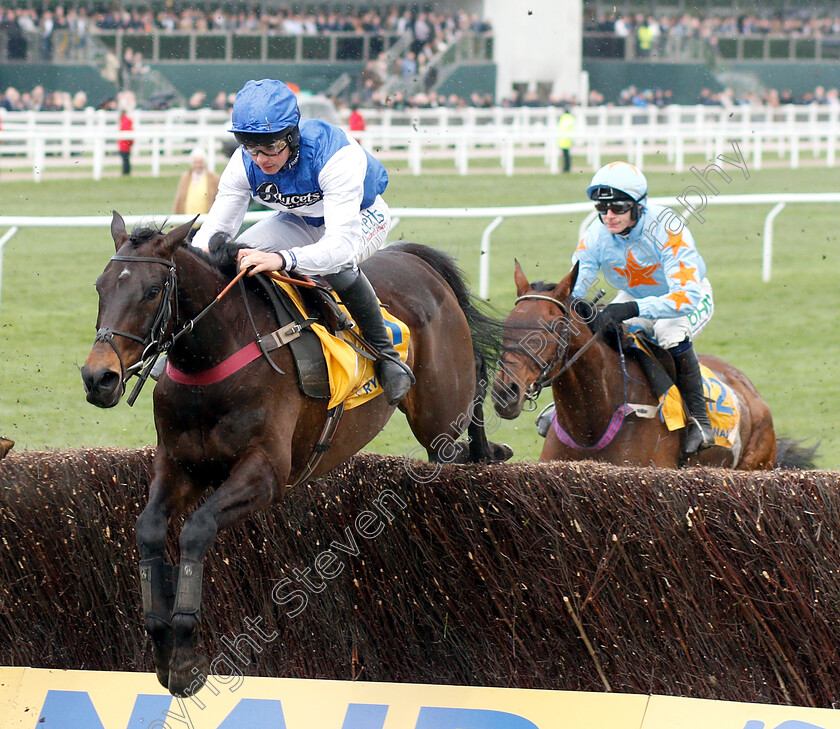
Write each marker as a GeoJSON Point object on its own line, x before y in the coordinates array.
{"type": "Point", "coordinates": [782, 334]}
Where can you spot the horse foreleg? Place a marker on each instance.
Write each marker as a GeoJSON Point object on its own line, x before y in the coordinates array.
{"type": "Point", "coordinates": [156, 584]}
{"type": "Point", "coordinates": [253, 484]}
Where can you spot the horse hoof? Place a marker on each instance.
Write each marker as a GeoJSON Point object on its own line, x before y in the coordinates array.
{"type": "Point", "coordinates": [501, 452]}
{"type": "Point", "coordinates": [162, 676]}
{"type": "Point", "coordinates": [187, 680]}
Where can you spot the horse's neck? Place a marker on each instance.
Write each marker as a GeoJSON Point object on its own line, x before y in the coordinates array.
{"type": "Point", "coordinates": [218, 331]}
{"type": "Point", "coordinates": [589, 392]}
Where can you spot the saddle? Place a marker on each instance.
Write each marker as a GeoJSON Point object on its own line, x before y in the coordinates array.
{"type": "Point", "coordinates": [313, 377]}
{"type": "Point", "coordinates": [656, 361]}
{"type": "Point", "coordinates": [332, 359]}
{"type": "Point", "coordinates": [660, 371]}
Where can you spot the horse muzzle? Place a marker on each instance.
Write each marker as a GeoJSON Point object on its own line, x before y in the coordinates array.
{"type": "Point", "coordinates": [103, 385]}
{"type": "Point", "coordinates": [507, 399]}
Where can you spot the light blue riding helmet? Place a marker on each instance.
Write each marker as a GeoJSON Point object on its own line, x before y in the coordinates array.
{"type": "Point", "coordinates": [615, 178]}
{"type": "Point", "coordinates": [264, 112]}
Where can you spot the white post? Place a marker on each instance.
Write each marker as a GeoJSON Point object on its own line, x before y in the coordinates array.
{"type": "Point", "coordinates": [39, 158]}
{"type": "Point", "coordinates": [767, 253]}
{"type": "Point", "coordinates": [7, 236]}
{"type": "Point", "coordinates": [98, 157]}
{"type": "Point", "coordinates": [155, 155]}
{"type": "Point", "coordinates": [507, 148]}
{"type": "Point", "coordinates": [585, 224]}
{"type": "Point", "coordinates": [484, 258]}
{"type": "Point", "coordinates": [461, 154]}
{"type": "Point", "coordinates": [414, 154]}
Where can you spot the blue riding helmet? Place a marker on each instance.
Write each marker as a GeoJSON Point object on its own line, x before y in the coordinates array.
{"type": "Point", "coordinates": [264, 112]}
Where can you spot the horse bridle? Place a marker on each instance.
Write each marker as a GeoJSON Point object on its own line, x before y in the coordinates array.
{"type": "Point", "coordinates": [153, 343]}
{"type": "Point", "coordinates": [545, 376]}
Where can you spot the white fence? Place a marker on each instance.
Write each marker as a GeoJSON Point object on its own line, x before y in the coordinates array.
{"type": "Point", "coordinates": [513, 139]}
{"type": "Point", "coordinates": [497, 216]}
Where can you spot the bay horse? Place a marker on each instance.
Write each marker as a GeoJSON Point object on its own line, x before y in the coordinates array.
{"type": "Point", "coordinates": [238, 443]}
{"type": "Point", "coordinates": [547, 341]}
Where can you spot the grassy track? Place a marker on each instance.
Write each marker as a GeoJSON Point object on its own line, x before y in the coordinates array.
{"type": "Point", "coordinates": [783, 334]}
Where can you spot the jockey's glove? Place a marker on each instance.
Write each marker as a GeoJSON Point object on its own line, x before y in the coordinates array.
{"type": "Point", "coordinates": [614, 314]}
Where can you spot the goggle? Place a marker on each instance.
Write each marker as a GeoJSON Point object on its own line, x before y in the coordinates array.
{"type": "Point", "coordinates": [619, 207]}
{"type": "Point", "coordinates": [270, 150]}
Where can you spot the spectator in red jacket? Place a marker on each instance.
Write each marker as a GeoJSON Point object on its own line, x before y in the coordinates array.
{"type": "Point", "coordinates": [124, 145]}
{"type": "Point", "coordinates": [356, 123]}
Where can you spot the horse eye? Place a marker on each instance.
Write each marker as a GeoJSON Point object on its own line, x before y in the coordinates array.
{"type": "Point", "coordinates": [151, 293]}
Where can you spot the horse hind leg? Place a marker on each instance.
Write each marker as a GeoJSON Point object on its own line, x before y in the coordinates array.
{"type": "Point", "coordinates": [477, 448]}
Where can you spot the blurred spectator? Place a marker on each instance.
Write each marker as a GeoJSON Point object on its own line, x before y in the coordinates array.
{"type": "Point", "coordinates": [356, 123]}
{"type": "Point", "coordinates": [198, 100]}
{"type": "Point", "coordinates": [197, 188]}
{"type": "Point", "coordinates": [125, 106]}
{"type": "Point", "coordinates": [565, 127]}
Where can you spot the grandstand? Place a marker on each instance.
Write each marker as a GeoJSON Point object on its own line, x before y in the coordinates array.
{"type": "Point", "coordinates": [168, 52]}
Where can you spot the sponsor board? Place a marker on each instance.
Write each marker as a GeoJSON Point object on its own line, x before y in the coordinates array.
{"type": "Point", "coordinates": [51, 699]}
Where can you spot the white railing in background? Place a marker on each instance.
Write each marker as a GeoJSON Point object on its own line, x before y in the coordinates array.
{"type": "Point", "coordinates": [518, 139]}
{"type": "Point", "coordinates": [497, 216]}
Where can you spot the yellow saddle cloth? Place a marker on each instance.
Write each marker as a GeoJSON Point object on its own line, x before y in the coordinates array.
{"type": "Point", "coordinates": [352, 376]}
{"type": "Point", "coordinates": [721, 404]}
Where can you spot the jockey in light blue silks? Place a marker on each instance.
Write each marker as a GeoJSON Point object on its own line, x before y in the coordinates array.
{"type": "Point", "coordinates": [646, 252]}
{"type": "Point", "coordinates": [331, 216]}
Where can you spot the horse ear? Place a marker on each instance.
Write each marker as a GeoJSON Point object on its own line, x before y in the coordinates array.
{"type": "Point", "coordinates": [175, 237]}
{"type": "Point", "coordinates": [118, 230]}
{"type": "Point", "coordinates": [564, 289]}
{"type": "Point", "coordinates": [520, 279]}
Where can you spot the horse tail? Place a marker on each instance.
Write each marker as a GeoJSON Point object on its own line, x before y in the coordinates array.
{"type": "Point", "coordinates": [791, 454]}
{"type": "Point", "coordinates": [487, 331]}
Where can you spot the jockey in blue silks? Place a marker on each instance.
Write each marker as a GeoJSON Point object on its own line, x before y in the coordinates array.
{"type": "Point", "coordinates": [331, 216]}
{"type": "Point", "coordinates": [646, 252]}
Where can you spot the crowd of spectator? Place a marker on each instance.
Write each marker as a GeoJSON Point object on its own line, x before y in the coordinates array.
{"type": "Point", "coordinates": [47, 21]}
{"type": "Point", "coordinates": [405, 80]}
{"type": "Point", "coordinates": [37, 100]}
{"type": "Point", "coordinates": [805, 21]}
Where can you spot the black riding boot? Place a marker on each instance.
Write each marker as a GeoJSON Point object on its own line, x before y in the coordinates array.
{"type": "Point", "coordinates": [699, 433]}
{"type": "Point", "coordinates": [359, 297]}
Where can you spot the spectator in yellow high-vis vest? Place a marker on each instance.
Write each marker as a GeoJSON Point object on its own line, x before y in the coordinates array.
{"type": "Point", "coordinates": [644, 36]}
{"type": "Point", "coordinates": [565, 127]}
{"type": "Point", "coordinates": [197, 187]}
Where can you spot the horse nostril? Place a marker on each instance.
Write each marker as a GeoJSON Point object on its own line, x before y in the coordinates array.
{"type": "Point", "coordinates": [505, 393]}
{"type": "Point", "coordinates": [109, 380]}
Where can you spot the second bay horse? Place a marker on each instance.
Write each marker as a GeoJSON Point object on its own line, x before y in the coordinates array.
{"type": "Point", "coordinates": [544, 333]}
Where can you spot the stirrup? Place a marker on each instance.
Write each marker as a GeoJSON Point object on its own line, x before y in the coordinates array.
{"type": "Point", "coordinates": [697, 438]}
{"type": "Point", "coordinates": [544, 419]}
{"type": "Point", "coordinates": [396, 385]}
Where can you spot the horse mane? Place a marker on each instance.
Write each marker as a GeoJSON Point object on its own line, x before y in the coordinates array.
{"type": "Point", "coordinates": [222, 256]}
{"type": "Point", "coordinates": [144, 234]}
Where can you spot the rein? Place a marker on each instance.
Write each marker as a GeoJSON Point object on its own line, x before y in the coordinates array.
{"type": "Point", "coordinates": [154, 343]}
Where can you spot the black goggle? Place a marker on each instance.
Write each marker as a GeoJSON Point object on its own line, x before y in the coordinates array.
{"type": "Point", "coordinates": [619, 207]}
{"type": "Point", "coordinates": [269, 150]}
